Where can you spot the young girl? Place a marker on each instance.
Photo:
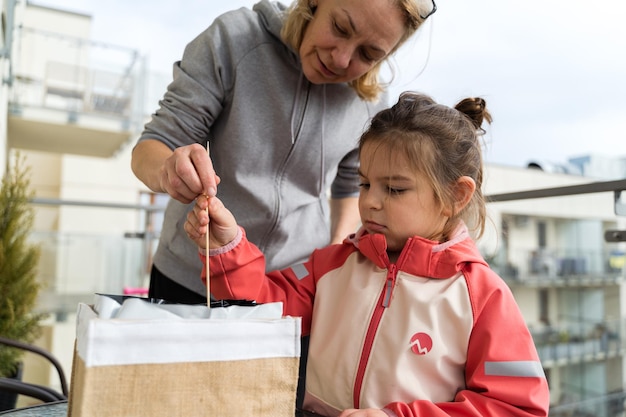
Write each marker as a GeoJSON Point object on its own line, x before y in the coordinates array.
{"type": "Point", "coordinates": [405, 317]}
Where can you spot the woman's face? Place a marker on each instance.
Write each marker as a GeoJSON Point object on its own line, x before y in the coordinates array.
{"type": "Point", "coordinates": [346, 38]}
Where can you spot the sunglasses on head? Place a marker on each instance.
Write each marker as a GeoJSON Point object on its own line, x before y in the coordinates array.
{"type": "Point", "coordinates": [433, 10]}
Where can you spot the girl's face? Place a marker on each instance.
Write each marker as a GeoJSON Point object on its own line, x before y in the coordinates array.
{"type": "Point", "coordinates": [346, 38]}
{"type": "Point", "coordinates": [395, 200]}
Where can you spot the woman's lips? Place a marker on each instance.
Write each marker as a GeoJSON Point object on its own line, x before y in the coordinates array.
{"type": "Point", "coordinates": [324, 69]}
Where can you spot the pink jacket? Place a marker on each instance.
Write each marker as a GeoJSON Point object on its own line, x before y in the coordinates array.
{"type": "Point", "coordinates": [436, 334]}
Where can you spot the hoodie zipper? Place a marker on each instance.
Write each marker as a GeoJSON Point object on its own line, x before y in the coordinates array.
{"type": "Point", "coordinates": [281, 171]}
{"type": "Point", "coordinates": [383, 302]}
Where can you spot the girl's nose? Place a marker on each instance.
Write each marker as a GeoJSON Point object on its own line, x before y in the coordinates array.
{"type": "Point", "coordinates": [373, 200]}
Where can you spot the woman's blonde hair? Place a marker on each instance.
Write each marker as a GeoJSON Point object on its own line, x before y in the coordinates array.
{"type": "Point", "coordinates": [368, 86]}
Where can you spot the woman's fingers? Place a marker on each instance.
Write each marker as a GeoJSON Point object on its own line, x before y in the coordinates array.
{"type": "Point", "coordinates": [188, 173]}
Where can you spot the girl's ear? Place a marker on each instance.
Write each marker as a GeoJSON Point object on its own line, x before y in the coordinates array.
{"type": "Point", "coordinates": [463, 192]}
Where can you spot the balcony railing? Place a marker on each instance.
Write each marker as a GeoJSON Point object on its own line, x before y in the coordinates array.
{"type": "Point", "coordinates": [578, 341]}
{"type": "Point", "coordinates": [74, 266]}
{"type": "Point", "coordinates": [562, 267]}
{"type": "Point", "coordinates": [77, 76]}
{"type": "Point", "coordinates": [611, 405]}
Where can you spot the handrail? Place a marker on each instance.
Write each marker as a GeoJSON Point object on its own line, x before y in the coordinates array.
{"type": "Point", "coordinates": [593, 187]}
{"type": "Point", "coordinates": [58, 202]}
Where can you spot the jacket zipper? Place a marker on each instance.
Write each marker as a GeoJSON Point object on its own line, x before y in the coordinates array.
{"type": "Point", "coordinates": [383, 302]}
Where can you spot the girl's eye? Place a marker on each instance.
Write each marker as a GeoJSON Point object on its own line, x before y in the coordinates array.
{"type": "Point", "coordinates": [395, 191]}
{"type": "Point", "coordinates": [364, 186]}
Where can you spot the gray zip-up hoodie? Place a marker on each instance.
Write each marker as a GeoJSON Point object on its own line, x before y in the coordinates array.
{"type": "Point", "coordinates": [276, 141]}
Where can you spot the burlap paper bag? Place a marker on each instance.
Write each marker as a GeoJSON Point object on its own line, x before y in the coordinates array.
{"type": "Point", "coordinates": [185, 367]}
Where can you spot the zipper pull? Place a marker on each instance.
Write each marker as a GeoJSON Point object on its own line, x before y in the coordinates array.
{"type": "Point", "coordinates": [391, 277]}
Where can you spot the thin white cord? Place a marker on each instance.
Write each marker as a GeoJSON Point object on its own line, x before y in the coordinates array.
{"type": "Point", "coordinates": [428, 52]}
{"type": "Point", "coordinates": [430, 47]}
{"type": "Point", "coordinates": [208, 269]}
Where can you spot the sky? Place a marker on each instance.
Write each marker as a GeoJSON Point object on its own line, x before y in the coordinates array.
{"type": "Point", "coordinates": [553, 72]}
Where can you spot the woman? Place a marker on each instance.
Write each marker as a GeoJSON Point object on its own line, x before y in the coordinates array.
{"type": "Point", "coordinates": [279, 96]}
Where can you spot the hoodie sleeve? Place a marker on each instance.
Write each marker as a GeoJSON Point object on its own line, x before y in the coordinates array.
{"type": "Point", "coordinates": [346, 183]}
{"type": "Point", "coordinates": [503, 373]}
{"type": "Point", "coordinates": [202, 81]}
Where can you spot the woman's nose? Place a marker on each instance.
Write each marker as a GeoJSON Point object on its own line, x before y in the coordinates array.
{"type": "Point", "coordinates": [342, 55]}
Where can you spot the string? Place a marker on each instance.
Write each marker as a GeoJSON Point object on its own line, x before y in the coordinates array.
{"type": "Point", "coordinates": [208, 269]}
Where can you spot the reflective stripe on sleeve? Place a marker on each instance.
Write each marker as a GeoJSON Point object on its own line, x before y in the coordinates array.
{"type": "Point", "coordinates": [299, 271]}
{"type": "Point", "coordinates": [514, 368]}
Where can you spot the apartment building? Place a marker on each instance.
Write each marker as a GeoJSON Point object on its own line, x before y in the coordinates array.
{"type": "Point", "coordinates": [568, 280]}
{"type": "Point", "coordinates": [74, 108]}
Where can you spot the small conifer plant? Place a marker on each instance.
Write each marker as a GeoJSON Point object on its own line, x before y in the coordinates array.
{"type": "Point", "coordinates": [19, 286]}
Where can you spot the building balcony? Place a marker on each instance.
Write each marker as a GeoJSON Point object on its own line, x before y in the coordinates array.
{"type": "Point", "coordinates": [66, 102]}
{"type": "Point", "coordinates": [578, 341]}
{"type": "Point", "coordinates": [115, 261]}
{"type": "Point", "coordinates": [555, 267]}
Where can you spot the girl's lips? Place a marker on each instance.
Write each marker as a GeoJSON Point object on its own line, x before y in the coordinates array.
{"type": "Point", "coordinates": [374, 227]}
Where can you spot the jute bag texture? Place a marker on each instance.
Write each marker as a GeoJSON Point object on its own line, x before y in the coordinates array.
{"type": "Point", "coordinates": [184, 367]}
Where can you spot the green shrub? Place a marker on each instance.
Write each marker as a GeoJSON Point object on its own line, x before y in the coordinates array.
{"type": "Point", "coordinates": [19, 286]}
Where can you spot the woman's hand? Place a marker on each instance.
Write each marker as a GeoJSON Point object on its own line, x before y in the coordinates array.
{"type": "Point", "coordinates": [223, 226]}
{"type": "Point", "coordinates": [187, 173]}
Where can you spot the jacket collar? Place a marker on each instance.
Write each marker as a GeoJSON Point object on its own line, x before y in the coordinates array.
{"type": "Point", "coordinates": [422, 257]}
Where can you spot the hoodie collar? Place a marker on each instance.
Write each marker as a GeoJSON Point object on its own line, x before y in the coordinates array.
{"type": "Point", "coordinates": [272, 15]}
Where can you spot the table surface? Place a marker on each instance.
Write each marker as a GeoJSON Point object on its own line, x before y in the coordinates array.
{"type": "Point", "coordinates": [59, 409]}
{"type": "Point", "coordinates": [56, 409]}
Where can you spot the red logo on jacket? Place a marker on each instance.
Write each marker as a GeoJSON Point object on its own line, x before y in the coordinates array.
{"type": "Point", "coordinates": [421, 343]}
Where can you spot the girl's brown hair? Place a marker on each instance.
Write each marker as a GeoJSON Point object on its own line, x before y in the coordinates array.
{"type": "Point", "coordinates": [440, 142]}
{"type": "Point", "coordinates": [368, 86]}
